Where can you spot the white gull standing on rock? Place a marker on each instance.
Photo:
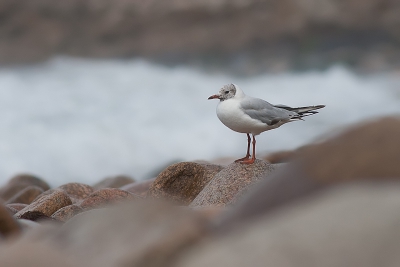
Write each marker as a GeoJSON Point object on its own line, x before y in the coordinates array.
{"type": "Point", "coordinates": [249, 115]}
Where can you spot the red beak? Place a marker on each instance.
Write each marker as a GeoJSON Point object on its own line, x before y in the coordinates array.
{"type": "Point", "coordinates": [214, 96]}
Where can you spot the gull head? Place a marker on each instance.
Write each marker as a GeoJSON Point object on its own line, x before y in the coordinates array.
{"type": "Point", "coordinates": [227, 91]}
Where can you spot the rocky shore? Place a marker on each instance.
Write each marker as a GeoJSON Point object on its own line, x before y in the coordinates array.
{"type": "Point", "coordinates": [334, 203]}
{"type": "Point", "coordinates": [245, 36]}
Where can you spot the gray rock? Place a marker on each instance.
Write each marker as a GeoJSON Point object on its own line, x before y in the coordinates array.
{"type": "Point", "coordinates": [34, 254]}
{"type": "Point", "coordinates": [356, 225]}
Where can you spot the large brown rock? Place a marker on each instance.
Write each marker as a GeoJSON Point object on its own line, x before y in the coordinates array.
{"type": "Point", "coordinates": [20, 182]}
{"type": "Point", "coordinates": [45, 206]}
{"type": "Point", "coordinates": [106, 196]}
{"type": "Point", "coordinates": [8, 225]}
{"type": "Point", "coordinates": [182, 182]}
{"type": "Point", "coordinates": [26, 196]}
{"type": "Point", "coordinates": [355, 225]}
{"type": "Point", "coordinates": [139, 233]}
{"type": "Point", "coordinates": [76, 191]}
{"type": "Point", "coordinates": [231, 183]}
{"type": "Point", "coordinates": [369, 151]}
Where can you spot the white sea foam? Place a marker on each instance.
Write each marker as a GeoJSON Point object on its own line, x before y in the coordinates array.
{"type": "Point", "coordinates": [75, 120]}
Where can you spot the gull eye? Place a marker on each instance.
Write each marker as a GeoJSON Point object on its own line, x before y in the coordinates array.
{"type": "Point", "coordinates": [226, 92]}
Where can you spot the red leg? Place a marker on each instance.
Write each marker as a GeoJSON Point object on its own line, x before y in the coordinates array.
{"type": "Point", "coordinates": [253, 158]}
{"type": "Point", "coordinates": [248, 150]}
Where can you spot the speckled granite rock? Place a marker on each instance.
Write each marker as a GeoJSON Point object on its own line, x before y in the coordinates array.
{"type": "Point", "coordinates": [46, 205]}
{"type": "Point", "coordinates": [182, 182]}
{"type": "Point", "coordinates": [106, 196]}
{"type": "Point", "coordinates": [26, 195]}
{"type": "Point", "coordinates": [114, 182]}
{"type": "Point", "coordinates": [77, 191]}
{"type": "Point", "coordinates": [230, 183]}
{"type": "Point", "coordinates": [8, 225]}
{"type": "Point", "coordinates": [139, 188]}
{"type": "Point", "coordinates": [66, 213]}
{"type": "Point", "coordinates": [20, 182]}
{"type": "Point", "coordinates": [369, 151]}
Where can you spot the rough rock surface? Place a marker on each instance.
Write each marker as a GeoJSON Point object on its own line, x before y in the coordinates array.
{"type": "Point", "coordinates": [231, 183]}
{"type": "Point", "coordinates": [46, 205]}
{"type": "Point", "coordinates": [76, 191]}
{"type": "Point", "coordinates": [183, 181]}
{"type": "Point", "coordinates": [355, 225]}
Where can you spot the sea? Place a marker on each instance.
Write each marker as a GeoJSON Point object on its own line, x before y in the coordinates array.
{"type": "Point", "coordinates": [81, 120]}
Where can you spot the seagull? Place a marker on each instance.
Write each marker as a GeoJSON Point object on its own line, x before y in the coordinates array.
{"type": "Point", "coordinates": [250, 115]}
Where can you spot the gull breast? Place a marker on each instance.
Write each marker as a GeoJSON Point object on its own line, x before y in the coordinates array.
{"type": "Point", "coordinates": [232, 116]}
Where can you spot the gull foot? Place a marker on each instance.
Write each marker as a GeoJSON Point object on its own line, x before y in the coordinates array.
{"type": "Point", "coordinates": [242, 159]}
{"type": "Point", "coordinates": [248, 161]}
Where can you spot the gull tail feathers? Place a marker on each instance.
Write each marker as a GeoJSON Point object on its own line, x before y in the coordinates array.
{"type": "Point", "coordinates": [302, 111]}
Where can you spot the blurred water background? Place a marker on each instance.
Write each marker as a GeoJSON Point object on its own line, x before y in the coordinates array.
{"type": "Point", "coordinates": [89, 90]}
